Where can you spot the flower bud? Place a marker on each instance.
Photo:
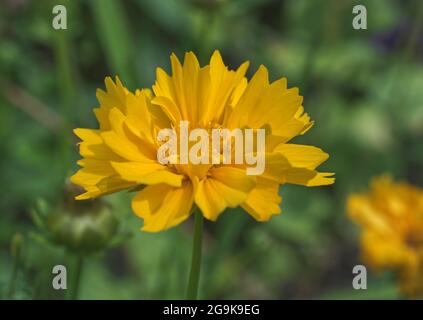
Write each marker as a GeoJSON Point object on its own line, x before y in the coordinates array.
{"type": "Point", "coordinates": [81, 226]}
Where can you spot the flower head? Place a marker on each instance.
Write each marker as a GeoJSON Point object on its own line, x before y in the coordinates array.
{"type": "Point", "coordinates": [122, 153]}
{"type": "Point", "coordinates": [391, 218]}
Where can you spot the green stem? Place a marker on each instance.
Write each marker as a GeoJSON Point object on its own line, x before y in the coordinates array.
{"type": "Point", "coordinates": [16, 251]}
{"type": "Point", "coordinates": [194, 275]}
{"type": "Point", "coordinates": [12, 284]}
{"type": "Point", "coordinates": [62, 47]}
{"type": "Point", "coordinates": [77, 279]}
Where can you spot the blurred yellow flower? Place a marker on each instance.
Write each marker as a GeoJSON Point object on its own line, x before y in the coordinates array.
{"type": "Point", "coordinates": [122, 153]}
{"type": "Point", "coordinates": [391, 218]}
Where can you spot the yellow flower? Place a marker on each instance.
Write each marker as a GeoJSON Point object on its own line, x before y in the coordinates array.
{"type": "Point", "coordinates": [122, 153]}
{"type": "Point", "coordinates": [391, 218]}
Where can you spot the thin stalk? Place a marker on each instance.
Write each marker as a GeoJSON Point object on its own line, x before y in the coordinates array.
{"type": "Point", "coordinates": [62, 48]}
{"type": "Point", "coordinates": [194, 276]}
{"type": "Point", "coordinates": [13, 278]}
{"type": "Point", "coordinates": [16, 250]}
{"type": "Point", "coordinates": [77, 279]}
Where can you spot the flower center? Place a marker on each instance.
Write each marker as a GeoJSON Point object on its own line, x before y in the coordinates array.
{"type": "Point", "coordinates": [193, 151]}
{"type": "Point", "coordinates": [415, 239]}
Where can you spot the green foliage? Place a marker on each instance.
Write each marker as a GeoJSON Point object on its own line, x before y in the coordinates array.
{"type": "Point", "coordinates": [362, 88]}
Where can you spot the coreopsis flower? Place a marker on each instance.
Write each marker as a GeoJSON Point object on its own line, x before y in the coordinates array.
{"type": "Point", "coordinates": [122, 153]}
{"type": "Point", "coordinates": [391, 220]}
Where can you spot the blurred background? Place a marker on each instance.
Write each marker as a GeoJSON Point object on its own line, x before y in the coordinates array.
{"type": "Point", "coordinates": [363, 88]}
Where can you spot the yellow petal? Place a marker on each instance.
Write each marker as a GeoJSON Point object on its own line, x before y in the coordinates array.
{"type": "Point", "coordinates": [163, 206]}
{"type": "Point", "coordinates": [226, 187]}
{"type": "Point", "coordinates": [381, 252]}
{"type": "Point", "coordinates": [122, 147]}
{"type": "Point", "coordinates": [191, 69]}
{"type": "Point", "coordinates": [279, 169]}
{"type": "Point", "coordinates": [169, 108]}
{"type": "Point", "coordinates": [249, 99]}
{"type": "Point", "coordinates": [91, 192]}
{"type": "Point", "coordinates": [321, 179]}
{"type": "Point", "coordinates": [307, 177]}
{"type": "Point", "coordinates": [138, 116]}
{"type": "Point", "coordinates": [178, 84]}
{"type": "Point", "coordinates": [269, 105]}
{"type": "Point", "coordinates": [84, 177]}
{"type": "Point", "coordinates": [238, 92]}
{"type": "Point", "coordinates": [102, 115]}
{"type": "Point", "coordinates": [199, 95]}
{"type": "Point", "coordinates": [276, 166]}
{"type": "Point", "coordinates": [124, 142]}
{"type": "Point", "coordinates": [361, 210]}
{"type": "Point", "coordinates": [93, 146]}
{"type": "Point", "coordinates": [147, 173]}
{"type": "Point", "coordinates": [302, 156]}
{"type": "Point", "coordinates": [88, 135]}
{"type": "Point", "coordinates": [264, 200]}
{"type": "Point", "coordinates": [105, 186]}
{"type": "Point", "coordinates": [222, 84]}
{"type": "Point", "coordinates": [114, 97]}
